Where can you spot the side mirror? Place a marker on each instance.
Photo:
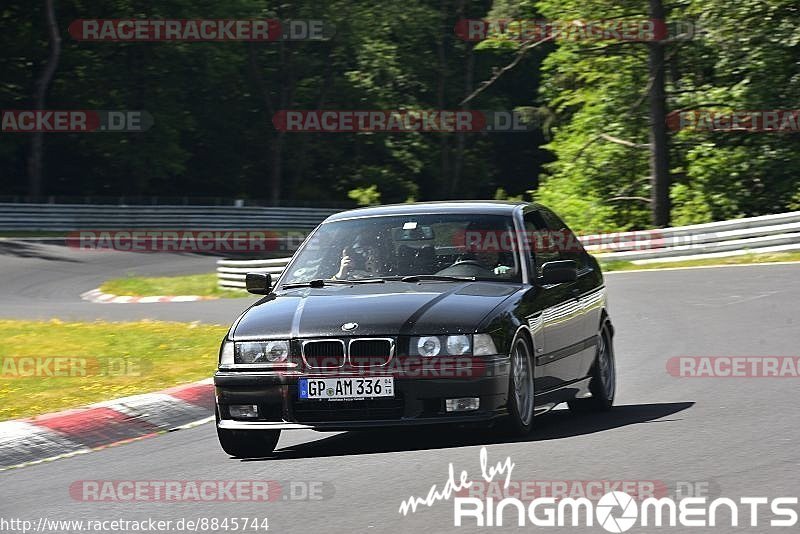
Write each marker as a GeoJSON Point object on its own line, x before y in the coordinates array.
{"type": "Point", "coordinates": [258, 283]}
{"type": "Point", "coordinates": [556, 272]}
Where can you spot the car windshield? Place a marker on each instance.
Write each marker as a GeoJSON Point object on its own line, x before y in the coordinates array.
{"type": "Point", "coordinates": [446, 245]}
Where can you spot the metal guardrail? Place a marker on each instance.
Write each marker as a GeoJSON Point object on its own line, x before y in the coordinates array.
{"type": "Point", "coordinates": [768, 233]}
{"type": "Point", "coordinates": [161, 200]}
{"type": "Point", "coordinates": [231, 273]}
{"type": "Point", "coordinates": [65, 217]}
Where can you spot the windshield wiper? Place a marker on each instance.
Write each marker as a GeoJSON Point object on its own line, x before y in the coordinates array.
{"type": "Point", "coordinates": [437, 277]}
{"type": "Point", "coordinates": [320, 282]}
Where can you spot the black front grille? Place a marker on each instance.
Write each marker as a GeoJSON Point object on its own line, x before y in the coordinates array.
{"type": "Point", "coordinates": [370, 352]}
{"type": "Point", "coordinates": [320, 411]}
{"type": "Point", "coordinates": [324, 354]}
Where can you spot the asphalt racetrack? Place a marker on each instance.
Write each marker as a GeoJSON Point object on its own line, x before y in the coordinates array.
{"type": "Point", "coordinates": [40, 281]}
{"type": "Point", "coordinates": [732, 437]}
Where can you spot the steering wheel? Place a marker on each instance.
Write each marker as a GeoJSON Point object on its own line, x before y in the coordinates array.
{"type": "Point", "coordinates": [469, 261]}
{"type": "Point", "coordinates": [466, 267]}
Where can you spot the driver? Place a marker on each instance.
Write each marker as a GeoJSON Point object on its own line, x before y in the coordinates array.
{"type": "Point", "coordinates": [370, 262]}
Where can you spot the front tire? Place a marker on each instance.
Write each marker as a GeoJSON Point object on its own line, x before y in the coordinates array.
{"type": "Point", "coordinates": [520, 388]}
{"type": "Point", "coordinates": [603, 384]}
{"type": "Point", "coordinates": [248, 443]}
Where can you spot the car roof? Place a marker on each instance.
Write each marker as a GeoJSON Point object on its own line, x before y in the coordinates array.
{"type": "Point", "coordinates": [495, 207]}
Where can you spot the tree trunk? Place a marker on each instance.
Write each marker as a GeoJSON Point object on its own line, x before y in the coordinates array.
{"type": "Point", "coordinates": [36, 156]}
{"type": "Point", "coordinates": [458, 167]}
{"type": "Point", "coordinates": [659, 155]}
{"type": "Point", "coordinates": [444, 138]}
{"type": "Point", "coordinates": [276, 172]}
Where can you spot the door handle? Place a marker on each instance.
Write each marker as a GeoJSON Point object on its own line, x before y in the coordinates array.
{"type": "Point", "coordinates": [576, 294]}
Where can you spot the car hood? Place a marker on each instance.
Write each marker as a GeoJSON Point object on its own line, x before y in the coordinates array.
{"type": "Point", "coordinates": [392, 308]}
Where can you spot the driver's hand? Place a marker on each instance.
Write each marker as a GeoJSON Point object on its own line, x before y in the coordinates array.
{"type": "Point", "coordinates": [502, 269]}
{"type": "Point", "coordinates": [345, 265]}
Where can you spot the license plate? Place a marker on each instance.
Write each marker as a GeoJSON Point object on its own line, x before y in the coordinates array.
{"type": "Point", "coordinates": [346, 388]}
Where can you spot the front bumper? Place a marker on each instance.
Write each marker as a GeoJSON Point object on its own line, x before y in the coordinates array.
{"type": "Point", "coordinates": [418, 400]}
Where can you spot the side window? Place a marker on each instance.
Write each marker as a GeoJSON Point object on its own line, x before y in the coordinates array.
{"type": "Point", "coordinates": [564, 239]}
{"type": "Point", "coordinates": [541, 248]}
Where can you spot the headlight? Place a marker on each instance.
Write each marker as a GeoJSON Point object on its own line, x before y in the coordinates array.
{"type": "Point", "coordinates": [428, 346]}
{"type": "Point", "coordinates": [254, 352]}
{"type": "Point", "coordinates": [458, 345]}
{"type": "Point", "coordinates": [455, 345]}
{"type": "Point", "coordinates": [484, 345]}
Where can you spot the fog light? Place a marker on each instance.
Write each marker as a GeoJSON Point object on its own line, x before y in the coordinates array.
{"type": "Point", "coordinates": [243, 411]}
{"type": "Point", "coordinates": [462, 405]}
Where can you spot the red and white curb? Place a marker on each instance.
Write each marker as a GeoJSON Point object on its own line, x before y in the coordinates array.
{"type": "Point", "coordinates": [95, 295]}
{"type": "Point", "coordinates": [82, 430]}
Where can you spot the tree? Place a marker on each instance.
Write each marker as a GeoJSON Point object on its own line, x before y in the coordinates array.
{"type": "Point", "coordinates": [659, 151]}
{"type": "Point", "coordinates": [36, 156]}
{"type": "Point", "coordinates": [740, 58]}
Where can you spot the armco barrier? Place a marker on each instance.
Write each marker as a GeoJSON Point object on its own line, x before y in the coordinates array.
{"type": "Point", "coordinates": [66, 217]}
{"type": "Point", "coordinates": [230, 273]}
{"type": "Point", "coordinates": [767, 233]}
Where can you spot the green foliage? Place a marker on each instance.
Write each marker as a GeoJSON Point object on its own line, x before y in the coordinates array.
{"type": "Point", "coordinates": [365, 196]}
{"type": "Point", "coordinates": [690, 206]}
{"type": "Point", "coordinates": [501, 194]}
{"type": "Point", "coordinates": [213, 105]}
{"type": "Point", "coordinates": [743, 58]}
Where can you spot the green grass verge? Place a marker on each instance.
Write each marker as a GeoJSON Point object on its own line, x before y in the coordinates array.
{"type": "Point", "coordinates": [744, 259]}
{"type": "Point", "coordinates": [204, 285]}
{"type": "Point", "coordinates": [116, 359]}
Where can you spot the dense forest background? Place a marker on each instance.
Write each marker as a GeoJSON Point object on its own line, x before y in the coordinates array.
{"type": "Point", "coordinates": [591, 158]}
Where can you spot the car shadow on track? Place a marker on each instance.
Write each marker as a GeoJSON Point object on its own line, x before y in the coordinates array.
{"type": "Point", "coordinates": [554, 425]}
{"type": "Point", "coordinates": [22, 249]}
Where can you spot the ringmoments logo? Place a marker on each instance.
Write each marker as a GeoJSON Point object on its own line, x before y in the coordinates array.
{"type": "Point", "coordinates": [615, 511]}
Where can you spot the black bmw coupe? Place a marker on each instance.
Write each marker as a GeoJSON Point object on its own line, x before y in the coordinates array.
{"type": "Point", "coordinates": [472, 312]}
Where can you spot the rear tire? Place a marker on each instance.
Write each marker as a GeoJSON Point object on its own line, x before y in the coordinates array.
{"type": "Point", "coordinates": [248, 443]}
{"type": "Point", "coordinates": [520, 389]}
{"type": "Point", "coordinates": [603, 384]}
